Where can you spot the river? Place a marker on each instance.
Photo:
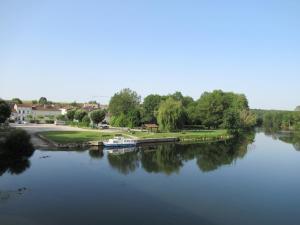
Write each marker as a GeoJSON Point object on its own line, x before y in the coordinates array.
{"type": "Point", "coordinates": [250, 180]}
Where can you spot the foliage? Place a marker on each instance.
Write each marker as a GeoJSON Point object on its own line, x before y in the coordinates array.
{"type": "Point", "coordinates": [34, 102]}
{"type": "Point", "coordinates": [97, 116]}
{"type": "Point", "coordinates": [61, 117]}
{"type": "Point", "coordinates": [79, 114]}
{"type": "Point", "coordinates": [212, 108]}
{"type": "Point", "coordinates": [124, 108]}
{"type": "Point", "coordinates": [43, 101]}
{"type": "Point", "coordinates": [17, 144]}
{"type": "Point", "coordinates": [5, 111]}
{"type": "Point", "coordinates": [15, 151]}
{"type": "Point", "coordinates": [124, 101]}
{"type": "Point", "coordinates": [71, 114]}
{"type": "Point", "coordinates": [170, 115]}
{"type": "Point", "coordinates": [16, 101]}
{"type": "Point", "coordinates": [281, 120]}
{"type": "Point", "coordinates": [297, 108]}
{"type": "Point", "coordinates": [150, 107]}
{"type": "Point", "coordinates": [86, 120]}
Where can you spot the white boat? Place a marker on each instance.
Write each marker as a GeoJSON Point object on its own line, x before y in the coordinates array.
{"type": "Point", "coordinates": [120, 142]}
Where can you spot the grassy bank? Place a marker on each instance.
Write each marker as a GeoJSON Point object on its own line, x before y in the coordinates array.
{"type": "Point", "coordinates": [64, 137]}
{"type": "Point", "coordinates": [186, 135]}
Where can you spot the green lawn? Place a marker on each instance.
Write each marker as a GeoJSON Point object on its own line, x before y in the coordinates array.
{"type": "Point", "coordinates": [185, 135]}
{"type": "Point", "coordinates": [64, 137]}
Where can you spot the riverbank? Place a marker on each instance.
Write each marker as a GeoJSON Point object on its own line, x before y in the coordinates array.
{"type": "Point", "coordinates": [69, 139]}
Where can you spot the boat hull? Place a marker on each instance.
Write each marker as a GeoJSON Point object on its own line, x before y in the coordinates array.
{"type": "Point", "coordinates": [119, 145]}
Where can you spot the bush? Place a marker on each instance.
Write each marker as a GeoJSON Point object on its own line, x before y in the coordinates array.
{"type": "Point", "coordinates": [80, 114]}
{"type": "Point", "coordinates": [86, 120]}
{"type": "Point", "coordinates": [17, 144]}
{"type": "Point", "coordinates": [49, 121]}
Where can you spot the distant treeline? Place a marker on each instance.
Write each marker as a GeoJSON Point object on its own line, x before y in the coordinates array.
{"type": "Point", "coordinates": [275, 120]}
{"type": "Point", "coordinates": [213, 110]}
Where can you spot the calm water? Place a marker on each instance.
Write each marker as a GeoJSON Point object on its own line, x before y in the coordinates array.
{"type": "Point", "coordinates": [253, 180]}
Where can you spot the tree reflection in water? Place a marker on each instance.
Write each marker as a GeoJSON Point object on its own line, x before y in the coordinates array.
{"type": "Point", "coordinates": [287, 137]}
{"type": "Point", "coordinates": [15, 151]}
{"type": "Point", "coordinates": [170, 158]}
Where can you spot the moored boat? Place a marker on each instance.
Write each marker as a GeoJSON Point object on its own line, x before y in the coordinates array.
{"type": "Point", "coordinates": [120, 142]}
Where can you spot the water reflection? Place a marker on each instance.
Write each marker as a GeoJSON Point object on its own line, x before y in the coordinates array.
{"type": "Point", "coordinates": [287, 137]}
{"type": "Point", "coordinates": [170, 158]}
{"type": "Point", "coordinates": [15, 152]}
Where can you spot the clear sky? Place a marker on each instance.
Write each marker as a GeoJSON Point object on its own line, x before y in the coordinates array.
{"type": "Point", "coordinates": [84, 50]}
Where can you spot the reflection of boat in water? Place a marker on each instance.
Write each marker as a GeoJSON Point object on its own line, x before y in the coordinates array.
{"type": "Point", "coordinates": [120, 142]}
{"type": "Point", "coordinates": [120, 151]}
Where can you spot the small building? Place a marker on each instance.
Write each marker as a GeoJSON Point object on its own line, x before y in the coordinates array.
{"type": "Point", "coordinates": [22, 111]}
{"type": "Point", "coordinates": [151, 127]}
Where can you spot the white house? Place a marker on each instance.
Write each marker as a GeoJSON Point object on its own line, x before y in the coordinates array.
{"type": "Point", "coordinates": [21, 111]}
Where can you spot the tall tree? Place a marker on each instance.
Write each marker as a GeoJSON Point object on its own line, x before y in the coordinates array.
{"type": "Point", "coordinates": [80, 114]}
{"type": "Point", "coordinates": [43, 101]}
{"type": "Point", "coordinates": [5, 111]}
{"type": "Point", "coordinates": [97, 116]}
{"type": "Point", "coordinates": [170, 115]}
{"type": "Point", "coordinates": [71, 114]}
{"type": "Point", "coordinates": [150, 108]}
{"type": "Point", "coordinates": [16, 101]}
{"type": "Point", "coordinates": [123, 102]}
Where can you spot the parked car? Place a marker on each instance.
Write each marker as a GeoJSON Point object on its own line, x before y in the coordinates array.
{"type": "Point", "coordinates": [103, 126]}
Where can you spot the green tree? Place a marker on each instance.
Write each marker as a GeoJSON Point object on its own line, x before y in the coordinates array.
{"type": "Point", "coordinates": [16, 101]}
{"type": "Point", "coordinates": [79, 114]}
{"type": "Point", "coordinates": [297, 108]}
{"type": "Point", "coordinates": [134, 118]}
{"type": "Point", "coordinates": [150, 107]}
{"type": "Point", "coordinates": [34, 102]}
{"type": "Point", "coordinates": [247, 119]}
{"type": "Point", "coordinates": [170, 115]}
{"type": "Point", "coordinates": [61, 117]}
{"type": "Point", "coordinates": [124, 101]}
{"type": "Point", "coordinates": [124, 107]}
{"type": "Point", "coordinates": [97, 116]}
{"type": "Point", "coordinates": [5, 111]}
{"type": "Point", "coordinates": [71, 114]}
{"type": "Point", "coordinates": [86, 120]}
{"type": "Point", "coordinates": [43, 101]}
{"type": "Point", "coordinates": [232, 120]}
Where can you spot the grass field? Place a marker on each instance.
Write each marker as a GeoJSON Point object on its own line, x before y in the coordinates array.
{"type": "Point", "coordinates": [185, 135]}
{"type": "Point", "coordinates": [64, 137]}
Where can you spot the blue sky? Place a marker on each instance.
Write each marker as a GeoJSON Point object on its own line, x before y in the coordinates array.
{"type": "Point", "coordinates": [83, 50]}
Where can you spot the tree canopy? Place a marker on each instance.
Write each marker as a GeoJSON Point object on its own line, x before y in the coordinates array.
{"type": "Point", "coordinates": [170, 114]}
{"type": "Point", "coordinates": [5, 111]}
{"type": "Point", "coordinates": [124, 101]}
{"type": "Point", "coordinates": [97, 116]}
{"type": "Point", "coordinates": [80, 114]}
{"type": "Point", "coordinates": [16, 101]}
{"type": "Point", "coordinates": [43, 101]}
